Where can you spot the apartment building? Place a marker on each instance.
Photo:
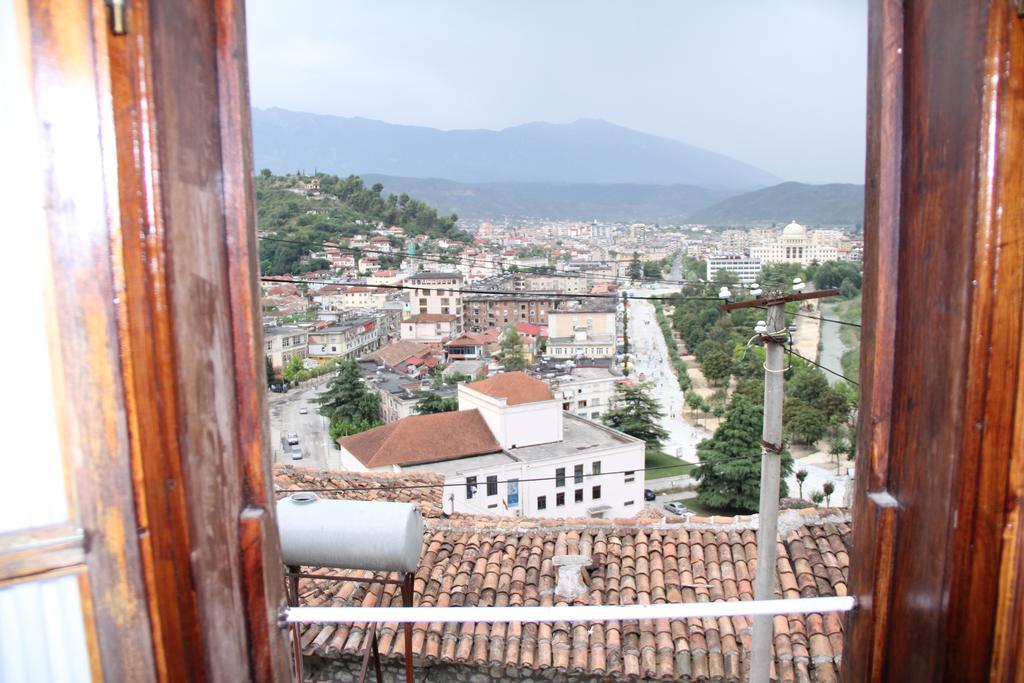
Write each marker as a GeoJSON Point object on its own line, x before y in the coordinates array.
{"type": "Point", "coordinates": [436, 293]}
{"type": "Point", "coordinates": [482, 311]}
{"type": "Point", "coordinates": [586, 392]}
{"type": "Point", "coordinates": [349, 339]}
{"type": "Point", "coordinates": [582, 331]}
{"type": "Point", "coordinates": [435, 327]}
{"type": "Point", "coordinates": [281, 344]}
{"type": "Point", "coordinates": [745, 268]}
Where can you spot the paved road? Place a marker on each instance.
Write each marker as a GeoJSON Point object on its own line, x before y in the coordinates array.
{"type": "Point", "coordinates": [311, 428]}
{"type": "Point", "coordinates": [652, 359]}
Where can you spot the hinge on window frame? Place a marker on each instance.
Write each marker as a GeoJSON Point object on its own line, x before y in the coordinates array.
{"type": "Point", "coordinates": [117, 19]}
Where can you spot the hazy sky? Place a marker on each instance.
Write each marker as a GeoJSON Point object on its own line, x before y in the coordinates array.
{"type": "Point", "coordinates": [778, 84]}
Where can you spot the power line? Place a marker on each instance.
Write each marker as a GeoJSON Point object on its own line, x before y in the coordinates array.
{"type": "Point", "coordinates": [446, 259]}
{"type": "Point", "coordinates": [400, 487]}
{"type": "Point", "coordinates": [857, 384]}
{"type": "Point", "coordinates": [830, 320]}
{"type": "Point", "coordinates": [462, 290]}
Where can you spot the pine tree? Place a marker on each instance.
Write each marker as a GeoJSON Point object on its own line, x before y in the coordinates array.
{"type": "Point", "coordinates": [269, 370]}
{"type": "Point", "coordinates": [637, 413]}
{"type": "Point", "coordinates": [430, 403]}
{"type": "Point", "coordinates": [730, 461]}
{"type": "Point", "coordinates": [511, 356]}
{"type": "Point", "coordinates": [347, 403]}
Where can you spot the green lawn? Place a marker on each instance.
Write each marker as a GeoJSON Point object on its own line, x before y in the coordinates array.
{"type": "Point", "coordinates": [659, 459]}
{"type": "Point", "coordinates": [696, 508]}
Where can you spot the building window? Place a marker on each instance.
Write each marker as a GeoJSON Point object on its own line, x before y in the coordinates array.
{"type": "Point", "coordinates": [595, 492]}
{"type": "Point", "coordinates": [470, 487]}
{"type": "Point", "coordinates": [565, 406]}
{"type": "Point", "coordinates": [542, 502]}
{"type": "Point", "coordinates": [492, 485]}
{"type": "Point", "coordinates": [583, 403]}
{"type": "Point", "coordinates": [578, 495]}
{"type": "Point", "coordinates": [628, 476]}
{"type": "Point", "coordinates": [595, 467]}
{"type": "Point", "coordinates": [628, 503]}
{"type": "Point", "coordinates": [560, 477]}
{"type": "Point", "coordinates": [577, 474]}
{"type": "Point", "coordinates": [559, 499]}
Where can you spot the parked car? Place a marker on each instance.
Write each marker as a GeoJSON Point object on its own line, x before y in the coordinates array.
{"type": "Point", "coordinates": [296, 453]}
{"type": "Point", "coordinates": [303, 410]}
{"type": "Point", "coordinates": [676, 508]}
{"type": "Point", "coordinates": [293, 438]}
{"type": "Point", "coordinates": [649, 494]}
{"type": "Point", "coordinates": [278, 388]}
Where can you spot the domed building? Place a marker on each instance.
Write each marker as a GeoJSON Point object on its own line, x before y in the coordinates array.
{"type": "Point", "coordinates": [794, 245]}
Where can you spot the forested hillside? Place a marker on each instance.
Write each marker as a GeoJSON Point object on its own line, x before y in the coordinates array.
{"type": "Point", "coordinates": [343, 207]}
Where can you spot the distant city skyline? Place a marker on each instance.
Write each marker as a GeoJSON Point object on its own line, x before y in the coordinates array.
{"type": "Point", "coordinates": [777, 85]}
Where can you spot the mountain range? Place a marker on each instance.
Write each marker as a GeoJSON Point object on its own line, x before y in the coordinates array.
{"type": "Point", "coordinates": [585, 151]}
{"type": "Point", "coordinates": [584, 170]}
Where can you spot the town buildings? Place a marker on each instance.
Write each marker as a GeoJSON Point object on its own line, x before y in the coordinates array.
{"type": "Point", "coordinates": [586, 330]}
{"type": "Point", "coordinates": [511, 450]}
{"type": "Point", "coordinates": [437, 293]}
{"type": "Point", "coordinates": [281, 344]}
{"type": "Point", "coordinates": [436, 327]}
{"type": "Point", "coordinates": [482, 311]}
{"type": "Point", "coordinates": [348, 339]}
{"type": "Point", "coordinates": [745, 268]}
{"type": "Point", "coordinates": [584, 391]}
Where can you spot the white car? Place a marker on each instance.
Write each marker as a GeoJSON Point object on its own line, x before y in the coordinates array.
{"type": "Point", "coordinates": [296, 453]}
{"type": "Point", "coordinates": [303, 410]}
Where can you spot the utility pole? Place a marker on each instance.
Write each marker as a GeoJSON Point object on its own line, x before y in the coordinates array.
{"type": "Point", "coordinates": [774, 334]}
{"type": "Point", "coordinates": [625, 334]}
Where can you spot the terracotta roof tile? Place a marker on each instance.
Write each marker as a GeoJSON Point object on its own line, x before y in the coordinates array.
{"type": "Point", "coordinates": [370, 486]}
{"type": "Point", "coordinates": [422, 439]}
{"type": "Point", "coordinates": [481, 560]}
{"type": "Point", "coordinates": [514, 387]}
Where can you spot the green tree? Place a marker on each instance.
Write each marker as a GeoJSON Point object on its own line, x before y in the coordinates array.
{"type": "Point", "coordinates": [511, 356]}
{"type": "Point", "coordinates": [291, 369]}
{"type": "Point", "coordinates": [347, 403]}
{"type": "Point", "coordinates": [817, 497]}
{"type": "Point", "coordinates": [804, 422]}
{"type": "Point", "coordinates": [456, 377]}
{"type": "Point", "coordinates": [636, 269]}
{"type": "Point", "coordinates": [717, 366]}
{"type": "Point", "coordinates": [430, 402]}
{"type": "Point", "coordinates": [269, 369]}
{"type": "Point", "coordinates": [730, 461]}
{"type": "Point", "coordinates": [839, 445]}
{"type": "Point", "coordinates": [266, 173]}
{"type": "Point", "coordinates": [635, 412]}
{"type": "Point", "coordinates": [828, 488]}
{"type": "Point", "coordinates": [801, 477]}
{"type": "Point", "coordinates": [652, 270]}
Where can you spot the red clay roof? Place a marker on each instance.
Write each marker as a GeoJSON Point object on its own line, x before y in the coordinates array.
{"type": "Point", "coordinates": [465, 563]}
{"type": "Point", "coordinates": [514, 387]}
{"type": "Point", "coordinates": [422, 439]}
{"type": "Point", "coordinates": [425, 489]}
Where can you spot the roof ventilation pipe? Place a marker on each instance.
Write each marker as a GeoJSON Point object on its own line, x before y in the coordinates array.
{"type": "Point", "coordinates": [349, 534]}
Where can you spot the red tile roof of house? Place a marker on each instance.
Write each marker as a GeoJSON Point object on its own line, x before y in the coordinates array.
{"type": "Point", "coordinates": [423, 488]}
{"type": "Point", "coordinates": [422, 439]}
{"type": "Point", "coordinates": [532, 329]}
{"type": "Point", "coordinates": [514, 387]}
{"type": "Point", "coordinates": [466, 562]}
{"type": "Point", "coordinates": [395, 353]}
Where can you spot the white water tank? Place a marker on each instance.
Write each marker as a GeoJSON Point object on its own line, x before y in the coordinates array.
{"type": "Point", "coordinates": [349, 534]}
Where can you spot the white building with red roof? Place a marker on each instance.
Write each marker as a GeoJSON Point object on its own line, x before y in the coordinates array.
{"type": "Point", "coordinates": [511, 450]}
